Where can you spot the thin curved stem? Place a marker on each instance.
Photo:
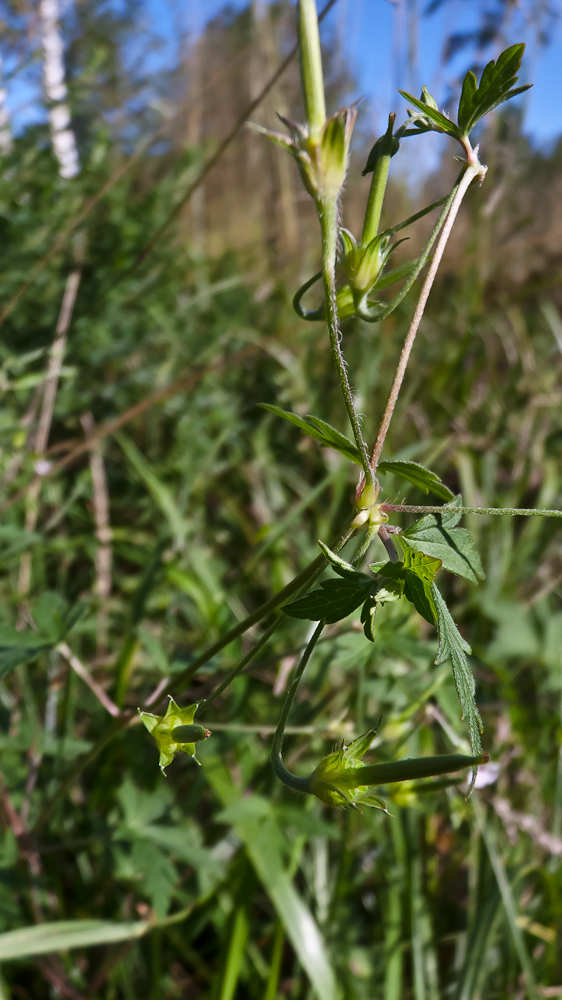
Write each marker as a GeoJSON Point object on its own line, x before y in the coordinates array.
{"type": "Point", "coordinates": [471, 171]}
{"type": "Point", "coordinates": [302, 311]}
{"type": "Point", "coordinates": [328, 223]}
{"type": "Point", "coordinates": [279, 769]}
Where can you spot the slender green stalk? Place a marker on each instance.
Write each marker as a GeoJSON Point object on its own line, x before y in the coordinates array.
{"type": "Point", "coordinates": [393, 918]}
{"type": "Point", "coordinates": [418, 767]}
{"type": "Point", "coordinates": [186, 675]}
{"type": "Point", "coordinates": [328, 224]}
{"type": "Point", "coordinates": [240, 666]}
{"type": "Point", "coordinates": [310, 59]}
{"type": "Point", "coordinates": [377, 189]}
{"type": "Point", "coordinates": [472, 171]}
{"type": "Point", "coordinates": [279, 769]}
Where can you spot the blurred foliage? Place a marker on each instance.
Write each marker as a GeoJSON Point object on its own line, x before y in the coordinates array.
{"type": "Point", "coordinates": [202, 884]}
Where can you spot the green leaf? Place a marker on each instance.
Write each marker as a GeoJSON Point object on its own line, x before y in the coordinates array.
{"type": "Point", "coordinates": [368, 613]}
{"type": "Point", "coordinates": [336, 600]}
{"type": "Point", "coordinates": [417, 573]}
{"type": "Point", "coordinates": [437, 535]}
{"type": "Point", "coordinates": [424, 479]}
{"type": "Point", "coordinates": [343, 568]}
{"type": "Point", "coordinates": [61, 935]}
{"type": "Point", "coordinates": [47, 613]}
{"type": "Point", "coordinates": [19, 647]}
{"type": "Point", "coordinates": [431, 117]}
{"type": "Point", "coordinates": [328, 436]}
{"type": "Point", "coordinates": [53, 619]}
{"type": "Point", "coordinates": [496, 86]}
{"type": "Point", "coordinates": [453, 647]}
{"type": "Point", "coordinates": [392, 591]}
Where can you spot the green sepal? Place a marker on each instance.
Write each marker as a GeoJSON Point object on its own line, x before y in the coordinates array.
{"type": "Point", "coordinates": [162, 729]}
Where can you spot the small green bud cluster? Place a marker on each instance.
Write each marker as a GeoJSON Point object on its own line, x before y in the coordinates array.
{"type": "Point", "coordinates": [175, 732]}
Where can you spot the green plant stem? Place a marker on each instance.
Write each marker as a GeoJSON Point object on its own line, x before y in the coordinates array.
{"type": "Point", "coordinates": [276, 959]}
{"type": "Point", "coordinates": [279, 769]}
{"type": "Point", "coordinates": [405, 508]}
{"type": "Point", "coordinates": [417, 767]}
{"type": "Point", "coordinates": [262, 641]}
{"type": "Point", "coordinates": [327, 212]}
{"type": "Point", "coordinates": [310, 59]}
{"type": "Point", "coordinates": [377, 191]}
{"type": "Point", "coordinates": [186, 675]}
{"type": "Point", "coordinates": [472, 171]}
{"type": "Point", "coordinates": [301, 581]}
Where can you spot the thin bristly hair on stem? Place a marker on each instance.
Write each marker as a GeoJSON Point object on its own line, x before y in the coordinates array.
{"type": "Point", "coordinates": [328, 216]}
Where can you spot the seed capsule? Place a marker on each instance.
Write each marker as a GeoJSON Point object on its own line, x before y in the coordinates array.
{"type": "Point", "coordinates": [190, 734]}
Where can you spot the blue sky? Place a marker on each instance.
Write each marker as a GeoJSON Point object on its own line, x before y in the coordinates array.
{"type": "Point", "coordinates": [365, 28]}
{"type": "Point", "coordinates": [367, 31]}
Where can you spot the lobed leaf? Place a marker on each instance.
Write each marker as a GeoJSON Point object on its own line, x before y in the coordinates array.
{"type": "Point", "coordinates": [453, 647]}
{"type": "Point", "coordinates": [496, 86]}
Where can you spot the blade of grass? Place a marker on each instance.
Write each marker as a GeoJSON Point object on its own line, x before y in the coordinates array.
{"type": "Point", "coordinates": [299, 924]}
{"type": "Point", "coordinates": [509, 905]}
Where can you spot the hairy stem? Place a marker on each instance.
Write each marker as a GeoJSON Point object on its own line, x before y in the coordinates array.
{"type": "Point", "coordinates": [404, 508]}
{"type": "Point", "coordinates": [471, 171]}
{"type": "Point", "coordinates": [279, 769]}
{"type": "Point", "coordinates": [328, 222]}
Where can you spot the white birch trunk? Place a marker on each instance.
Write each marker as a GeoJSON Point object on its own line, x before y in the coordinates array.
{"type": "Point", "coordinates": [62, 136]}
{"type": "Point", "coordinates": [5, 133]}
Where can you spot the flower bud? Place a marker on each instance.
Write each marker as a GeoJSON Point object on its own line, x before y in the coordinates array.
{"type": "Point", "coordinates": [175, 732]}
{"type": "Point", "coordinates": [342, 779]}
{"type": "Point", "coordinates": [322, 156]}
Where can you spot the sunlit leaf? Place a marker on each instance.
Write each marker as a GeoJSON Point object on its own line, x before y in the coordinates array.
{"type": "Point", "coordinates": [438, 535]}
{"type": "Point", "coordinates": [453, 647]}
{"type": "Point", "coordinates": [426, 480]}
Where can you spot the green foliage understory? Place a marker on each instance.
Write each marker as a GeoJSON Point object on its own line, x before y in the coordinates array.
{"type": "Point", "coordinates": [216, 880]}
